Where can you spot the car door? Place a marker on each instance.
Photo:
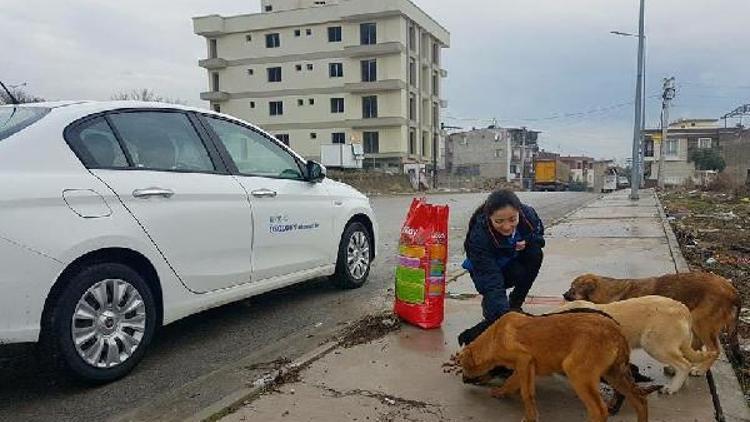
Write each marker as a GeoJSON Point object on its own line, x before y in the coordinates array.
{"type": "Point", "coordinates": [175, 186]}
{"type": "Point", "coordinates": [292, 217]}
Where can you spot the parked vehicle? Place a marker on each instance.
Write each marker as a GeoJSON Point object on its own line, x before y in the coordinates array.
{"type": "Point", "coordinates": [623, 182]}
{"type": "Point", "coordinates": [551, 175]}
{"type": "Point", "coordinates": [119, 217]}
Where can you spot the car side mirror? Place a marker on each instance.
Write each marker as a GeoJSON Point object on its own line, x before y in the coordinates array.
{"type": "Point", "coordinates": [315, 172]}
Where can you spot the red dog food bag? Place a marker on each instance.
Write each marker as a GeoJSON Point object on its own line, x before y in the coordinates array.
{"type": "Point", "coordinates": [422, 261]}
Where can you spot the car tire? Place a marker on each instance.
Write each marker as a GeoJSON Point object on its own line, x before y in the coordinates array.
{"type": "Point", "coordinates": [101, 323]}
{"type": "Point", "coordinates": [354, 257]}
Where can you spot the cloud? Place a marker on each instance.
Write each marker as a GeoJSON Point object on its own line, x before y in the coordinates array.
{"type": "Point", "coordinates": [512, 60]}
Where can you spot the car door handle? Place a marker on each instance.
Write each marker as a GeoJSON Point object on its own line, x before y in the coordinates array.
{"type": "Point", "coordinates": [263, 193]}
{"type": "Point", "coordinates": [150, 192]}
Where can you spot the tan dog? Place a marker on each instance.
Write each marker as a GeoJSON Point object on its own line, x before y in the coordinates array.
{"type": "Point", "coordinates": [659, 325]}
{"type": "Point", "coordinates": [584, 345]}
{"type": "Point", "coordinates": [713, 302]}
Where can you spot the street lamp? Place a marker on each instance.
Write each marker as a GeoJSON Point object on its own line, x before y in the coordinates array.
{"type": "Point", "coordinates": [635, 175]}
{"type": "Point", "coordinates": [17, 85]}
{"type": "Point", "coordinates": [641, 161]}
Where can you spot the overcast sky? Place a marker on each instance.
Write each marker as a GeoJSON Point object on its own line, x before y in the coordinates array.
{"type": "Point", "coordinates": [527, 62]}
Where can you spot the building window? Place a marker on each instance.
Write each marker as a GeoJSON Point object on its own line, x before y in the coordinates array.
{"type": "Point", "coordinates": [308, 32]}
{"type": "Point", "coordinates": [337, 105]}
{"type": "Point", "coordinates": [313, 135]}
{"type": "Point", "coordinates": [368, 33]}
{"type": "Point", "coordinates": [369, 70]}
{"type": "Point", "coordinates": [336, 70]}
{"type": "Point", "coordinates": [276, 108]}
{"type": "Point", "coordinates": [284, 138]}
{"type": "Point", "coordinates": [309, 66]}
{"type": "Point", "coordinates": [436, 53]}
{"type": "Point", "coordinates": [435, 115]}
{"type": "Point", "coordinates": [217, 108]}
{"type": "Point", "coordinates": [338, 138]}
{"type": "Point", "coordinates": [648, 148]}
{"type": "Point", "coordinates": [334, 34]}
{"type": "Point", "coordinates": [412, 38]}
{"type": "Point", "coordinates": [214, 81]}
{"type": "Point", "coordinates": [704, 143]}
{"type": "Point", "coordinates": [248, 38]}
{"type": "Point", "coordinates": [672, 147]}
{"type": "Point", "coordinates": [425, 143]}
{"type": "Point", "coordinates": [370, 107]}
{"type": "Point", "coordinates": [274, 74]}
{"type": "Point", "coordinates": [412, 107]}
{"type": "Point", "coordinates": [250, 72]}
{"type": "Point", "coordinates": [252, 104]}
{"type": "Point", "coordinates": [435, 84]}
{"type": "Point", "coordinates": [412, 141]}
{"type": "Point", "coordinates": [212, 49]}
{"type": "Point", "coordinates": [297, 32]}
{"type": "Point", "coordinates": [300, 102]}
{"type": "Point", "coordinates": [273, 41]}
{"type": "Point", "coordinates": [371, 141]}
{"type": "Point", "coordinates": [269, 8]}
{"type": "Point", "coordinates": [412, 72]}
{"type": "Point", "coordinates": [298, 67]}
{"type": "Point", "coordinates": [311, 101]}
{"type": "Point", "coordinates": [498, 153]}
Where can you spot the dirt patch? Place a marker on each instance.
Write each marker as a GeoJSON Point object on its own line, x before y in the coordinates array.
{"type": "Point", "coordinates": [369, 328]}
{"type": "Point", "coordinates": [713, 230]}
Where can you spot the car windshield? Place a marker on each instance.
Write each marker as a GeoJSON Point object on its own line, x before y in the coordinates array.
{"type": "Point", "coordinates": [14, 118]}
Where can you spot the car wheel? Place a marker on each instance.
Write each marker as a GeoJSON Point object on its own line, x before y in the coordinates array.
{"type": "Point", "coordinates": [101, 323]}
{"type": "Point", "coordinates": [354, 258]}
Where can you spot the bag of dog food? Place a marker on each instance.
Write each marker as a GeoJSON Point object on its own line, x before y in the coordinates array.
{"type": "Point", "coordinates": [422, 261]}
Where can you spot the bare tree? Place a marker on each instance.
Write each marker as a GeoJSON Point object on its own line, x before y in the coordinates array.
{"type": "Point", "coordinates": [20, 95]}
{"type": "Point", "coordinates": [145, 94]}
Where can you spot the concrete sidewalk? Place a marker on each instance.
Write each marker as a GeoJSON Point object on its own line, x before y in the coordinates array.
{"type": "Point", "coordinates": [399, 377]}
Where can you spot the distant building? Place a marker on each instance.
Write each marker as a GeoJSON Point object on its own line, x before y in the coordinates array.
{"type": "Point", "coordinates": [492, 152]}
{"type": "Point", "coordinates": [332, 72]}
{"type": "Point", "coordinates": [685, 137]}
{"type": "Point", "coordinates": [581, 169]}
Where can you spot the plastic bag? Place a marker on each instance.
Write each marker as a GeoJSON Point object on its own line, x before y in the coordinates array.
{"type": "Point", "coordinates": [422, 261]}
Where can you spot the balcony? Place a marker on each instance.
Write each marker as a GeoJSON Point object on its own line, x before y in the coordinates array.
{"type": "Point", "coordinates": [209, 26]}
{"type": "Point", "coordinates": [382, 49]}
{"type": "Point", "coordinates": [215, 96]}
{"type": "Point", "coordinates": [385, 85]}
{"type": "Point", "coordinates": [212, 64]}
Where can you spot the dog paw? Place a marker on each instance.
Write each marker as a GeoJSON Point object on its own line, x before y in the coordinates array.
{"type": "Point", "coordinates": [667, 390]}
{"type": "Point", "coordinates": [695, 372]}
{"type": "Point", "coordinates": [498, 393]}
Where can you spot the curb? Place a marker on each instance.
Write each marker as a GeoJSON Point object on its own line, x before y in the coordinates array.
{"type": "Point", "coordinates": [236, 400]}
{"type": "Point", "coordinates": [723, 385]}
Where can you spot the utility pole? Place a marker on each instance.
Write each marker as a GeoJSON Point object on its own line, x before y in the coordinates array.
{"type": "Point", "coordinates": [666, 100]}
{"type": "Point", "coordinates": [635, 173]}
{"type": "Point", "coordinates": [523, 159]}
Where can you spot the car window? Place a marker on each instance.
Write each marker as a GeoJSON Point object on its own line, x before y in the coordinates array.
{"type": "Point", "coordinates": [15, 119]}
{"type": "Point", "coordinates": [253, 153]}
{"type": "Point", "coordinates": [96, 145]}
{"type": "Point", "coordinates": [162, 141]}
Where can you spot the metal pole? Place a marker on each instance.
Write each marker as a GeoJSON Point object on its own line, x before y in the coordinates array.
{"type": "Point", "coordinates": [667, 97]}
{"type": "Point", "coordinates": [434, 158]}
{"type": "Point", "coordinates": [642, 142]}
{"type": "Point", "coordinates": [635, 174]}
{"type": "Point", "coordinates": [523, 159]}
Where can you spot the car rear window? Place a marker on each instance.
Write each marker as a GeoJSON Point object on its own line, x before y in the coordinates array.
{"type": "Point", "coordinates": [15, 119]}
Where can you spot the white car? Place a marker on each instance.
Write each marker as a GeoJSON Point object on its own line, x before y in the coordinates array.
{"type": "Point", "coordinates": [119, 217]}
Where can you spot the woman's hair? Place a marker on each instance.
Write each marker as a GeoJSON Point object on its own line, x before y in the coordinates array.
{"type": "Point", "coordinates": [497, 200]}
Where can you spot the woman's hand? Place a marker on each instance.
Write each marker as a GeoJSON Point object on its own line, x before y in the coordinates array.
{"type": "Point", "coordinates": [521, 245]}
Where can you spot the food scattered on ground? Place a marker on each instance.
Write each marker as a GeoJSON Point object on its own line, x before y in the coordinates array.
{"type": "Point", "coordinates": [369, 328]}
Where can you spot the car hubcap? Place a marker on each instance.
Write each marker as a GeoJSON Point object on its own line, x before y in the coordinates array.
{"type": "Point", "coordinates": [358, 255]}
{"type": "Point", "coordinates": [108, 323]}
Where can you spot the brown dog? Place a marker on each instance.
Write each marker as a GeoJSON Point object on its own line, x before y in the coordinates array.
{"type": "Point", "coordinates": [713, 302]}
{"type": "Point", "coordinates": [585, 345]}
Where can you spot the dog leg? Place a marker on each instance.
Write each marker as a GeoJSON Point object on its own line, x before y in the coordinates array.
{"type": "Point", "coordinates": [587, 390]}
{"type": "Point", "coordinates": [510, 386]}
{"type": "Point", "coordinates": [681, 365]}
{"type": "Point", "coordinates": [526, 371]}
{"type": "Point", "coordinates": [620, 379]}
{"type": "Point", "coordinates": [711, 341]}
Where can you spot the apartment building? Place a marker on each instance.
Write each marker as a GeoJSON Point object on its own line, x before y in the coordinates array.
{"type": "Point", "coordinates": [332, 72]}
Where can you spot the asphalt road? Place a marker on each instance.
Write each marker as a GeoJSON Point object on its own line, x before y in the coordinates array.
{"type": "Point", "coordinates": [200, 359]}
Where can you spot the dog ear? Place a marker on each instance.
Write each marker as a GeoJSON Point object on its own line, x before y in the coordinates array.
{"type": "Point", "coordinates": [585, 285]}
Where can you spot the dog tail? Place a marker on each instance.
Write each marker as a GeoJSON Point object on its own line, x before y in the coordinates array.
{"type": "Point", "coordinates": [731, 330]}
